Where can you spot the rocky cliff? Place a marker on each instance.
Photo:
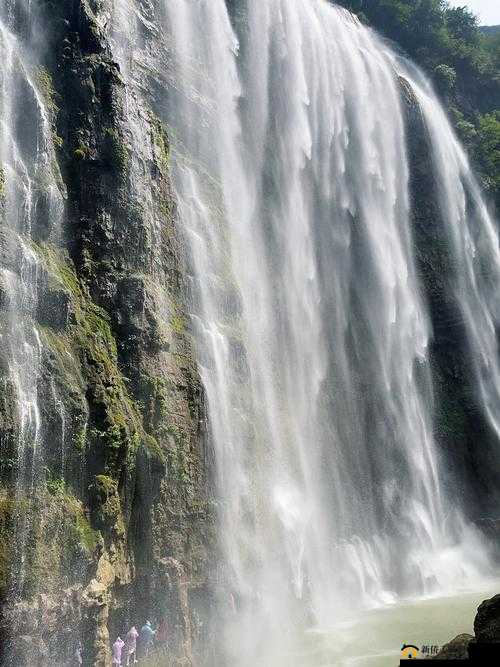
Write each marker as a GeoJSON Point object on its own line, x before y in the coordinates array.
{"type": "Point", "coordinates": [107, 510]}
{"type": "Point", "coordinates": [486, 633]}
{"type": "Point", "coordinates": [460, 423]}
{"type": "Point", "coordinates": [116, 518]}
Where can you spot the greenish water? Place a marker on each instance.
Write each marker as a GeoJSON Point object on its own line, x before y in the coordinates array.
{"type": "Point", "coordinates": [375, 639]}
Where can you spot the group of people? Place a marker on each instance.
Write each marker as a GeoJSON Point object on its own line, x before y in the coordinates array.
{"type": "Point", "coordinates": [138, 644]}
{"type": "Point", "coordinates": [135, 645]}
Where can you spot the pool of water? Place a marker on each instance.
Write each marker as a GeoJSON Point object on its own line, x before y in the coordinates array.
{"type": "Point", "coordinates": [375, 638]}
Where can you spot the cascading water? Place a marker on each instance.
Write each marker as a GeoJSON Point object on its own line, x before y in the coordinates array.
{"type": "Point", "coordinates": [292, 174]}
{"type": "Point", "coordinates": [30, 207]}
{"type": "Point", "coordinates": [291, 168]}
{"type": "Point", "coordinates": [473, 236]}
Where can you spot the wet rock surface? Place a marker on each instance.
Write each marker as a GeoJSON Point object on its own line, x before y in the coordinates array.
{"type": "Point", "coordinates": [486, 635]}
{"type": "Point", "coordinates": [122, 410]}
{"type": "Point", "coordinates": [457, 649]}
{"type": "Point", "coordinates": [487, 621]}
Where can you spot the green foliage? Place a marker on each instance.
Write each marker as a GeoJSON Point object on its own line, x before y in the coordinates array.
{"type": "Point", "coordinates": [56, 486]}
{"type": "Point", "coordinates": [445, 78]}
{"type": "Point", "coordinates": [462, 60]}
{"type": "Point", "coordinates": [480, 134]}
{"type": "Point", "coordinates": [431, 31]}
{"type": "Point", "coordinates": [466, 130]}
{"type": "Point", "coordinates": [80, 439]}
{"type": "Point", "coordinates": [487, 150]}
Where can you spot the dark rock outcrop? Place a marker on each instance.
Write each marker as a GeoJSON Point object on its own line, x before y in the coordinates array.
{"type": "Point", "coordinates": [121, 398]}
{"type": "Point", "coordinates": [457, 649]}
{"type": "Point", "coordinates": [487, 621]}
{"type": "Point", "coordinates": [486, 634]}
{"type": "Point", "coordinates": [460, 423]}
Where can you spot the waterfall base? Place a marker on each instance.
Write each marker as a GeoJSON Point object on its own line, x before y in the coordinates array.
{"type": "Point", "coordinates": [375, 638]}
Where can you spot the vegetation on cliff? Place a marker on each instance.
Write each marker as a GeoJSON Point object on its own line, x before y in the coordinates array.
{"type": "Point", "coordinates": [119, 508]}
{"type": "Point", "coordinates": [463, 61]}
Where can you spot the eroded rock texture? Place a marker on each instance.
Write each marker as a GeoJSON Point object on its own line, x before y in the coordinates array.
{"type": "Point", "coordinates": [118, 526]}
{"type": "Point", "coordinates": [460, 423]}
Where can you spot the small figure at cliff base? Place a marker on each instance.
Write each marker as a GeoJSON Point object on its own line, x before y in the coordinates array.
{"type": "Point", "coordinates": [117, 651]}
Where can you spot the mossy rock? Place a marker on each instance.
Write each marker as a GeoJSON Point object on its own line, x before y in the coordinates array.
{"type": "Point", "coordinates": [160, 142]}
{"type": "Point", "coordinates": [116, 153]}
{"type": "Point", "coordinates": [2, 186]}
{"type": "Point", "coordinates": [86, 354]}
{"type": "Point", "coordinates": [60, 541]}
{"type": "Point", "coordinates": [106, 505]}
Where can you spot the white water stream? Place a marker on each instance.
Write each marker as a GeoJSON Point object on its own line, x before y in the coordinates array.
{"type": "Point", "coordinates": [29, 197]}
{"type": "Point", "coordinates": [291, 168]}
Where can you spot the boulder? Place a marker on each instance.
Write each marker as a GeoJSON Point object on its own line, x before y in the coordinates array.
{"type": "Point", "coordinates": [456, 649]}
{"type": "Point", "coordinates": [487, 621]}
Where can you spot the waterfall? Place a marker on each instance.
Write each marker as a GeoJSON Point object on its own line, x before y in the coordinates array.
{"type": "Point", "coordinates": [31, 207]}
{"type": "Point", "coordinates": [292, 173]}
{"type": "Point", "coordinates": [473, 236]}
{"type": "Point", "coordinates": [292, 168]}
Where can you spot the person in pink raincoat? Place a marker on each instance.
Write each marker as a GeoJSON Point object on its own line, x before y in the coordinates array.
{"type": "Point", "coordinates": [131, 646]}
{"type": "Point", "coordinates": [117, 651]}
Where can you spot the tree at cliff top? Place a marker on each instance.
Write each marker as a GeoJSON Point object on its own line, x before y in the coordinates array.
{"type": "Point", "coordinates": [463, 61]}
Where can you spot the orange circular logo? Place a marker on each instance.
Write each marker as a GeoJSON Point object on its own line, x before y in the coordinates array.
{"type": "Point", "coordinates": [409, 651]}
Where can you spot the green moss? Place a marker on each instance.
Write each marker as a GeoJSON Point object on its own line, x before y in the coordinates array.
{"type": "Point", "coordinates": [9, 425]}
{"type": "Point", "coordinates": [90, 346]}
{"type": "Point", "coordinates": [180, 462]}
{"type": "Point", "coordinates": [107, 505]}
{"type": "Point", "coordinates": [159, 391]}
{"type": "Point", "coordinates": [80, 439]}
{"type": "Point", "coordinates": [178, 323]}
{"type": "Point", "coordinates": [63, 356]}
{"type": "Point", "coordinates": [80, 153]}
{"type": "Point", "coordinates": [59, 539]}
{"type": "Point", "coordinates": [79, 528]}
{"type": "Point", "coordinates": [105, 485]}
{"type": "Point", "coordinates": [88, 537]}
{"type": "Point", "coordinates": [56, 486]}
{"type": "Point", "coordinates": [161, 148]}
{"type": "Point", "coordinates": [7, 506]}
{"type": "Point", "coordinates": [166, 207]}
{"type": "Point", "coordinates": [45, 86]}
{"type": "Point", "coordinates": [152, 445]}
{"type": "Point", "coordinates": [161, 143]}
{"type": "Point", "coordinates": [59, 266]}
{"type": "Point", "coordinates": [116, 151]}
{"type": "Point", "coordinates": [2, 184]}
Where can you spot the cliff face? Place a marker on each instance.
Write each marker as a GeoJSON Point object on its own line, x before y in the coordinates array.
{"type": "Point", "coordinates": [466, 440]}
{"type": "Point", "coordinates": [106, 506]}
{"type": "Point", "coordinates": [112, 503]}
